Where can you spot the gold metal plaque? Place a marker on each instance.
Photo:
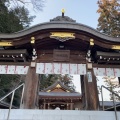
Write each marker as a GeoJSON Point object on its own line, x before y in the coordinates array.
{"type": "Point", "coordinates": [6, 44]}
{"type": "Point", "coordinates": [62, 36]}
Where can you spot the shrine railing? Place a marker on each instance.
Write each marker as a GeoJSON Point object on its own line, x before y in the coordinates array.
{"type": "Point", "coordinates": [113, 93]}
{"type": "Point", "coordinates": [12, 98]}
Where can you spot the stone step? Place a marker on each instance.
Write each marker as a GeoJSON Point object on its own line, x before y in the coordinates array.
{"type": "Point", "coordinates": [25, 114]}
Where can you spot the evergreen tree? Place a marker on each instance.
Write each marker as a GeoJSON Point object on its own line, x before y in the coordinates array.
{"type": "Point", "coordinates": [7, 84]}
{"type": "Point", "coordinates": [23, 15]}
{"type": "Point", "coordinates": [13, 20]}
{"type": "Point", "coordinates": [109, 20]}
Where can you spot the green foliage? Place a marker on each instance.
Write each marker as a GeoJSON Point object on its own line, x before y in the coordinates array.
{"type": "Point", "coordinates": [109, 20]}
{"type": "Point", "coordinates": [23, 15]}
{"type": "Point", "coordinates": [48, 80]}
{"type": "Point", "coordinates": [7, 81]}
{"type": "Point", "coordinates": [13, 20]}
{"type": "Point", "coordinates": [7, 84]}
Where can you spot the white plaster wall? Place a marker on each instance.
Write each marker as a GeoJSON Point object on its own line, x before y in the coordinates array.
{"type": "Point", "coordinates": [22, 114]}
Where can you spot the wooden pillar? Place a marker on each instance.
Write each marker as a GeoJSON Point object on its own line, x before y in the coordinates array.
{"type": "Point", "coordinates": [48, 106]}
{"type": "Point", "coordinates": [91, 89]}
{"type": "Point", "coordinates": [71, 105]}
{"type": "Point", "coordinates": [31, 85]}
{"type": "Point", "coordinates": [44, 105]}
{"type": "Point", "coordinates": [67, 106]}
{"type": "Point", "coordinates": [119, 80]}
{"type": "Point", "coordinates": [83, 91]}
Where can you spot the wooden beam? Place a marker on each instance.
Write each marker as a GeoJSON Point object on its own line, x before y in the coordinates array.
{"type": "Point", "coordinates": [13, 59]}
{"type": "Point", "coordinates": [108, 62]}
{"type": "Point", "coordinates": [15, 63]}
{"type": "Point", "coordinates": [108, 54]}
{"type": "Point", "coordinates": [13, 52]}
{"type": "Point", "coordinates": [105, 66]}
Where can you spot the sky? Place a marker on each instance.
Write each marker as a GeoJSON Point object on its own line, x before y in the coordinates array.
{"type": "Point", "coordinates": [83, 11]}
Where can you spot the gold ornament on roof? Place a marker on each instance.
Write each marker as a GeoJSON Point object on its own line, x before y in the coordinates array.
{"type": "Point", "coordinates": [48, 90]}
{"type": "Point", "coordinates": [63, 10]}
{"type": "Point", "coordinates": [67, 91]}
{"type": "Point", "coordinates": [58, 86]}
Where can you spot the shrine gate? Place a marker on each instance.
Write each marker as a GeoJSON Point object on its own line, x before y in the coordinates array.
{"type": "Point", "coordinates": [60, 46]}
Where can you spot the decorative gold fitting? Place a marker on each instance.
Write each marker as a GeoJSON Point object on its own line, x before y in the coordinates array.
{"type": "Point", "coordinates": [116, 47]}
{"type": "Point", "coordinates": [48, 90]}
{"type": "Point", "coordinates": [67, 91]}
{"type": "Point", "coordinates": [6, 44]}
{"type": "Point", "coordinates": [58, 86]}
{"type": "Point", "coordinates": [32, 40]}
{"type": "Point", "coordinates": [91, 42]}
{"type": "Point", "coordinates": [63, 10]}
{"type": "Point", "coordinates": [62, 35]}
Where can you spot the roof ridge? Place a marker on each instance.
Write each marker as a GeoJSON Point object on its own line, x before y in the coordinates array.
{"type": "Point", "coordinates": [55, 84]}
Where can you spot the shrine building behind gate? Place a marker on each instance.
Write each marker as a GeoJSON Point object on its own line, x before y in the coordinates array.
{"type": "Point", "coordinates": [58, 95]}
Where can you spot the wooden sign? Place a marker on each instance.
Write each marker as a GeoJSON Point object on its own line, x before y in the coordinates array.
{"type": "Point", "coordinates": [61, 55]}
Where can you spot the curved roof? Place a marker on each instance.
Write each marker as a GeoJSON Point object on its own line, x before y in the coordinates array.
{"type": "Point", "coordinates": [55, 84]}
{"type": "Point", "coordinates": [70, 94]}
{"type": "Point", "coordinates": [63, 18]}
{"type": "Point", "coordinates": [59, 25]}
{"type": "Point", "coordinates": [59, 94]}
{"type": "Point", "coordinates": [51, 93]}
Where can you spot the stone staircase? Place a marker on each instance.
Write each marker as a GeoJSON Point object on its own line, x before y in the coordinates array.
{"type": "Point", "coordinates": [25, 114]}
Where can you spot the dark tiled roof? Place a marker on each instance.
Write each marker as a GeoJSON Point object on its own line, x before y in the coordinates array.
{"type": "Point", "coordinates": [56, 83]}
{"type": "Point", "coordinates": [60, 18]}
{"type": "Point", "coordinates": [60, 94]}
{"type": "Point", "coordinates": [59, 25]}
{"type": "Point", "coordinates": [108, 103]}
{"type": "Point", "coordinates": [109, 106]}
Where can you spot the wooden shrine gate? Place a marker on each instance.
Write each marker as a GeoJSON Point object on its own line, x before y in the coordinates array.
{"type": "Point", "coordinates": [60, 46]}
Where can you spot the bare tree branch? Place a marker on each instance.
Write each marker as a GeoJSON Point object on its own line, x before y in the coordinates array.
{"type": "Point", "coordinates": [37, 4]}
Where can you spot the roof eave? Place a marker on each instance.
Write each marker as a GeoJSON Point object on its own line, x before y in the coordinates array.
{"type": "Point", "coordinates": [59, 25]}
